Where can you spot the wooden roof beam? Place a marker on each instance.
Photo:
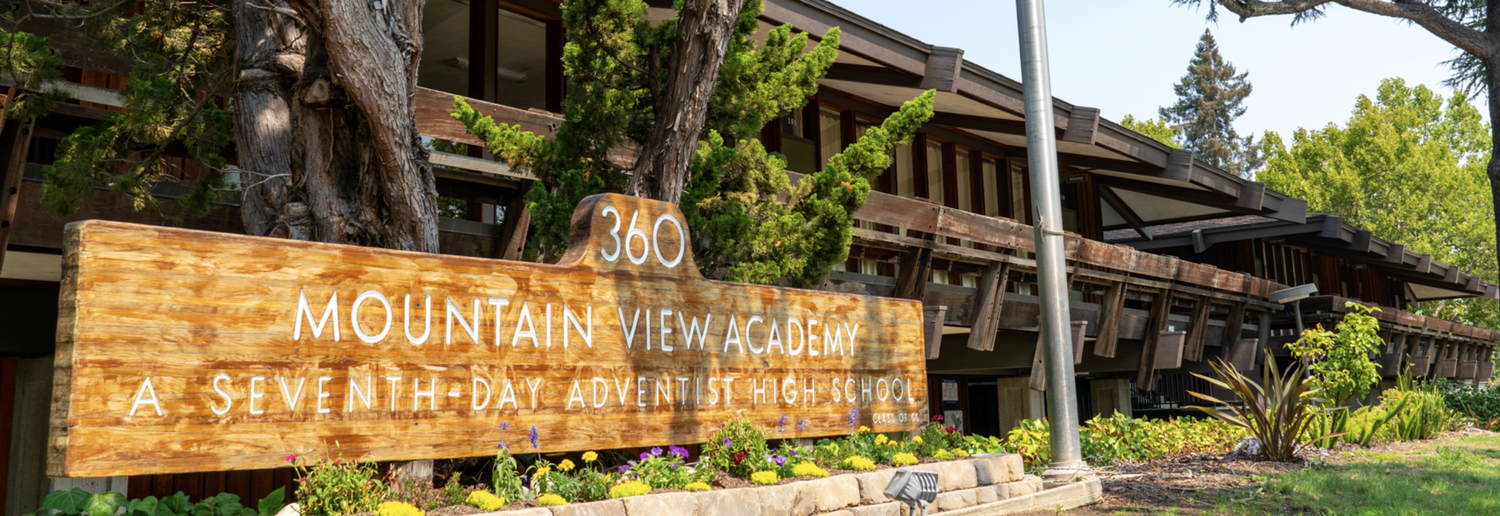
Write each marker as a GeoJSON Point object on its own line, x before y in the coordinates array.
{"type": "Point", "coordinates": [941, 70]}
{"type": "Point", "coordinates": [1111, 198]}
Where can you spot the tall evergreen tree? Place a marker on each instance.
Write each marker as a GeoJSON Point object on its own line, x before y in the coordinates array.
{"type": "Point", "coordinates": [748, 221]}
{"type": "Point", "coordinates": [1209, 99]}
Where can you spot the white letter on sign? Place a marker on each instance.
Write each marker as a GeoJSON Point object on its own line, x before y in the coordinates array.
{"type": "Point", "coordinates": [146, 388]}
{"type": "Point", "coordinates": [317, 327]}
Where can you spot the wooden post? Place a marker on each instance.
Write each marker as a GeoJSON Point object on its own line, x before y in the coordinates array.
{"type": "Point", "coordinates": [16, 137]}
{"type": "Point", "coordinates": [933, 317]}
{"type": "Point", "coordinates": [515, 226]}
{"type": "Point", "coordinates": [1109, 320]}
{"type": "Point", "coordinates": [1233, 326]}
{"type": "Point", "coordinates": [1263, 336]}
{"type": "Point", "coordinates": [990, 301]}
{"type": "Point", "coordinates": [1197, 335]}
{"type": "Point", "coordinates": [1161, 307]}
{"type": "Point", "coordinates": [911, 280]}
{"type": "Point", "coordinates": [1390, 364]}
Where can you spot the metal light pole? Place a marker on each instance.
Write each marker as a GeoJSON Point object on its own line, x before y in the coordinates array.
{"type": "Point", "coordinates": [1041, 146]}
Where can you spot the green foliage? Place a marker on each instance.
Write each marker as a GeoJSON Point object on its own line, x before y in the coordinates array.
{"type": "Point", "coordinates": [1479, 404]}
{"type": "Point", "coordinates": [1209, 99]}
{"type": "Point", "coordinates": [1117, 438]}
{"type": "Point", "coordinates": [1409, 166]}
{"type": "Point", "coordinates": [1425, 413]}
{"type": "Point", "coordinates": [936, 436]}
{"type": "Point", "coordinates": [1153, 128]}
{"type": "Point", "coordinates": [660, 469]}
{"type": "Point", "coordinates": [739, 448]}
{"type": "Point", "coordinates": [335, 487]}
{"type": "Point", "coordinates": [1340, 361]}
{"type": "Point", "coordinates": [27, 61]}
{"type": "Point", "coordinates": [77, 502]}
{"type": "Point", "coordinates": [179, 49]}
{"type": "Point", "coordinates": [1278, 411]}
{"type": "Point", "coordinates": [749, 223]}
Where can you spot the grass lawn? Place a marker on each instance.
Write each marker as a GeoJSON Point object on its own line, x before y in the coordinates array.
{"type": "Point", "coordinates": [1455, 475]}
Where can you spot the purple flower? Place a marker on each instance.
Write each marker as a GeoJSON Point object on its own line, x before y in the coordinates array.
{"type": "Point", "coordinates": [678, 451]}
{"type": "Point", "coordinates": [532, 436]}
{"type": "Point", "coordinates": [502, 446]}
{"type": "Point", "coordinates": [781, 423]}
{"type": "Point", "coordinates": [853, 418]}
{"type": "Point", "coordinates": [794, 453]}
{"type": "Point", "coordinates": [645, 455]}
{"type": "Point", "coordinates": [780, 461]}
{"type": "Point", "coordinates": [727, 442]}
{"type": "Point", "coordinates": [674, 465]}
{"type": "Point", "coordinates": [505, 425]}
{"type": "Point", "coordinates": [624, 468]}
{"type": "Point", "coordinates": [655, 452]}
{"type": "Point", "coordinates": [801, 424]}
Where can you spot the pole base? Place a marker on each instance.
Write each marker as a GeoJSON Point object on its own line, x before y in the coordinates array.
{"type": "Point", "coordinates": [1066, 472]}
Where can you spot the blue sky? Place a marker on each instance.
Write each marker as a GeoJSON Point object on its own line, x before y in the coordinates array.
{"type": "Point", "coordinates": [1123, 56]}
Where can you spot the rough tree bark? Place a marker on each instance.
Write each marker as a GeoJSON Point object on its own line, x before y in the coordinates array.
{"type": "Point", "coordinates": [325, 123]}
{"type": "Point", "coordinates": [703, 33]}
{"type": "Point", "coordinates": [1483, 44]}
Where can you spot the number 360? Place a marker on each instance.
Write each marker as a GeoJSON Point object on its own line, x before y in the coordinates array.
{"type": "Point", "coordinates": [650, 246]}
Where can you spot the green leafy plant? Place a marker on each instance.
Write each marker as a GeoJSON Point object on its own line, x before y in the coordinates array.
{"type": "Point", "coordinates": [335, 487]}
{"type": "Point", "coordinates": [1278, 412]}
{"type": "Point", "coordinates": [668, 469]}
{"type": "Point", "coordinates": [738, 448]}
{"type": "Point", "coordinates": [1425, 413]}
{"type": "Point", "coordinates": [1340, 360]}
{"type": "Point", "coordinates": [78, 501]}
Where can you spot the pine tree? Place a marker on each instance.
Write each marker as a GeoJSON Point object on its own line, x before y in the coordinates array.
{"type": "Point", "coordinates": [749, 223]}
{"type": "Point", "coordinates": [1209, 99]}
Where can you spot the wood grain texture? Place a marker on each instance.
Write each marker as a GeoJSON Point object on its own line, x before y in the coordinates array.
{"type": "Point", "coordinates": [182, 307]}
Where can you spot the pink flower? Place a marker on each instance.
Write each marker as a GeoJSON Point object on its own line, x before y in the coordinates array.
{"type": "Point", "coordinates": [336, 463]}
{"type": "Point", "coordinates": [291, 457]}
{"type": "Point", "coordinates": [303, 479]}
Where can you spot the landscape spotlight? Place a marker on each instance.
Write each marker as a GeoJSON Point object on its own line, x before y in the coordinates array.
{"type": "Point", "coordinates": [1294, 295]}
{"type": "Point", "coordinates": [914, 488]}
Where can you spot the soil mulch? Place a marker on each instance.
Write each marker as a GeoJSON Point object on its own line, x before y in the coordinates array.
{"type": "Point", "coordinates": [1192, 481]}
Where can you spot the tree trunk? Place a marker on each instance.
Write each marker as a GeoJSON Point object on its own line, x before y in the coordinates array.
{"type": "Point", "coordinates": [1492, 75]}
{"type": "Point", "coordinates": [703, 32]}
{"type": "Point", "coordinates": [325, 124]}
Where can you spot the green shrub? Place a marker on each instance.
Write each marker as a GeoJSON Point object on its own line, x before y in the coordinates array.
{"type": "Point", "coordinates": [739, 448]}
{"type": "Point", "coordinates": [668, 469]}
{"type": "Point", "coordinates": [78, 502]}
{"type": "Point", "coordinates": [1478, 404]}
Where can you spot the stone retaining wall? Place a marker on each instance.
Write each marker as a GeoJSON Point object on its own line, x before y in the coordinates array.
{"type": "Point", "coordinates": [980, 480]}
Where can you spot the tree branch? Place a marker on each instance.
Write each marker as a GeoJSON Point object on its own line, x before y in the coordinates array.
{"type": "Point", "coordinates": [1469, 39]}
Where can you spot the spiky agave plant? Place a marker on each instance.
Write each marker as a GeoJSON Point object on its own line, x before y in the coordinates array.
{"type": "Point", "coordinates": [1279, 411]}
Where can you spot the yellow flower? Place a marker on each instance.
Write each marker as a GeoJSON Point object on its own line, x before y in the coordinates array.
{"type": "Point", "coordinates": [881, 439]}
{"type": "Point", "coordinates": [590, 456]}
{"type": "Point", "coordinates": [631, 488]}
{"type": "Point", "coordinates": [863, 429]}
{"type": "Point", "coordinates": [903, 459]}
{"type": "Point", "coordinates": [398, 509]}
{"type": "Point", "coordinates": [484, 500]}
{"type": "Point", "coordinates": [808, 469]}
{"type": "Point", "coordinates": [943, 455]}
{"type": "Point", "coordinates": [960, 453]}
{"type": "Point", "coordinates": [551, 499]}
{"type": "Point", "coordinates": [697, 486]}
{"type": "Point", "coordinates": [858, 463]}
{"type": "Point", "coordinates": [916, 439]}
{"type": "Point", "coordinates": [565, 465]}
{"type": "Point", "coordinates": [764, 478]}
{"type": "Point", "coordinates": [543, 471]}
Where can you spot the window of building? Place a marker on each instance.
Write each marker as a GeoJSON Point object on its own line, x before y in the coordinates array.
{"type": "Point", "coordinates": [991, 189]}
{"type": "Point", "coordinates": [830, 137]}
{"type": "Point", "coordinates": [797, 142]}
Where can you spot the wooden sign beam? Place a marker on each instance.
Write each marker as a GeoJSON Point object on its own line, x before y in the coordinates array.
{"type": "Point", "coordinates": [182, 351]}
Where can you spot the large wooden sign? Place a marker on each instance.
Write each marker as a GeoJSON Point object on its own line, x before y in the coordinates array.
{"type": "Point", "coordinates": [185, 351]}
